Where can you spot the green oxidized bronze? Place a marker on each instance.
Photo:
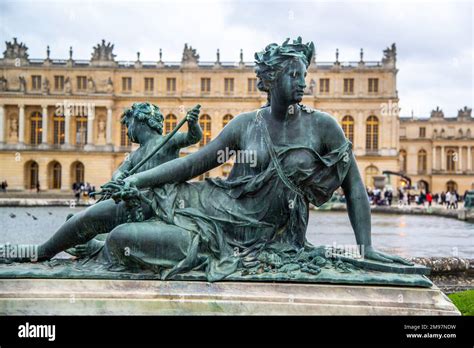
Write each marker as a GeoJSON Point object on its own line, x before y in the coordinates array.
{"type": "Point", "coordinates": [250, 226]}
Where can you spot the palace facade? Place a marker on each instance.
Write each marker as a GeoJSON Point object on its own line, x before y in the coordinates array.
{"type": "Point", "coordinates": [436, 152]}
{"type": "Point", "coordinates": [60, 118]}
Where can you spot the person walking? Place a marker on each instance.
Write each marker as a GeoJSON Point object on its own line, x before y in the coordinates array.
{"type": "Point", "coordinates": [448, 199]}
{"type": "Point", "coordinates": [429, 198]}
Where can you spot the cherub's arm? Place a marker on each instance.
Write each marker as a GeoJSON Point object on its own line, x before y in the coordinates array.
{"type": "Point", "coordinates": [122, 171]}
{"type": "Point", "coordinates": [193, 135]}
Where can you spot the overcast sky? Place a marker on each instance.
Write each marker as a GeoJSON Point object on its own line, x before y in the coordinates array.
{"type": "Point", "coordinates": [434, 39]}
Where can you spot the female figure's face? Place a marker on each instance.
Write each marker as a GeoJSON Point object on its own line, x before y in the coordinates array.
{"type": "Point", "coordinates": [290, 84]}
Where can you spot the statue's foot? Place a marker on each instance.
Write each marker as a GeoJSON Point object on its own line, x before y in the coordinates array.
{"type": "Point", "coordinates": [10, 253]}
{"type": "Point", "coordinates": [86, 250]}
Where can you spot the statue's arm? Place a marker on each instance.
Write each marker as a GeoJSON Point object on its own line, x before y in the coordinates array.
{"type": "Point", "coordinates": [194, 133]}
{"type": "Point", "coordinates": [190, 166]}
{"type": "Point", "coordinates": [193, 136]}
{"type": "Point", "coordinates": [121, 171]}
{"type": "Point", "coordinates": [358, 206]}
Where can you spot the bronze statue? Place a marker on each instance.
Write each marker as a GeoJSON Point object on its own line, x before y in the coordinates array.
{"type": "Point", "coordinates": [251, 225]}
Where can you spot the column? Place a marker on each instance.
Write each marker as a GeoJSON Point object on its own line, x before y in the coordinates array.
{"type": "Point", "coordinates": [109, 126]}
{"type": "Point", "coordinates": [469, 158]}
{"type": "Point", "coordinates": [460, 158]}
{"type": "Point", "coordinates": [433, 160]}
{"type": "Point", "coordinates": [67, 124]}
{"type": "Point", "coordinates": [21, 128]}
{"type": "Point", "coordinates": [90, 124]}
{"type": "Point", "coordinates": [2, 124]}
{"type": "Point", "coordinates": [443, 158]}
{"type": "Point", "coordinates": [45, 125]}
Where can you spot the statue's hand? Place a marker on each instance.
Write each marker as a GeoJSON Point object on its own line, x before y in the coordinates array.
{"type": "Point", "coordinates": [193, 115]}
{"type": "Point", "coordinates": [121, 190]}
{"type": "Point", "coordinates": [123, 175]}
{"type": "Point", "coordinates": [371, 254]}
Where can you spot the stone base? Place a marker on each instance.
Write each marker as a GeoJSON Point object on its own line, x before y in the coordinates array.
{"type": "Point", "coordinates": [148, 297]}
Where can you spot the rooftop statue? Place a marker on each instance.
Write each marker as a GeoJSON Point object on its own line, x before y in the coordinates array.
{"type": "Point", "coordinates": [15, 50]}
{"type": "Point", "coordinates": [252, 225]}
{"type": "Point", "coordinates": [103, 52]}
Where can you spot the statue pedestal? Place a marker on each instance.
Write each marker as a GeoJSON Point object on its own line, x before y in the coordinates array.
{"type": "Point", "coordinates": [149, 297]}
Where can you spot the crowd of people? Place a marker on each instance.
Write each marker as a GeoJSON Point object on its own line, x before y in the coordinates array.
{"type": "Point", "coordinates": [84, 190]}
{"type": "Point", "coordinates": [449, 199]}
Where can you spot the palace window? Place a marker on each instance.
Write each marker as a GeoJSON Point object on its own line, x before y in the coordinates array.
{"type": "Point", "coordinates": [204, 176]}
{"type": "Point", "coordinates": [171, 85]}
{"type": "Point", "coordinates": [451, 186]}
{"type": "Point", "coordinates": [422, 162]}
{"type": "Point", "coordinates": [348, 86]}
{"type": "Point", "coordinates": [227, 118]}
{"type": "Point", "coordinates": [36, 82]}
{"type": "Point", "coordinates": [55, 175]}
{"type": "Point", "coordinates": [81, 83]}
{"type": "Point", "coordinates": [422, 132]}
{"type": "Point", "coordinates": [58, 129]}
{"type": "Point", "coordinates": [59, 82]}
{"type": "Point", "coordinates": [372, 133]}
{"type": "Point", "coordinates": [226, 169]}
{"type": "Point", "coordinates": [324, 85]}
{"type": "Point", "coordinates": [348, 127]}
{"type": "Point", "coordinates": [36, 128]}
{"type": "Point", "coordinates": [126, 84]}
{"type": "Point", "coordinates": [149, 84]}
{"type": "Point", "coordinates": [403, 161]}
{"type": "Point", "coordinates": [451, 158]}
{"type": "Point", "coordinates": [124, 139]}
{"type": "Point", "coordinates": [370, 172]}
{"type": "Point", "coordinates": [252, 85]}
{"type": "Point", "coordinates": [77, 170]}
{"type": "Point", "coordinates": [229, 85]}
{"type": "Point", "coordinates": [31, 174]}
{"type": "Point", "coordinates": [170, 123]}
{"type": "Point", "coordinates": [373, 85]}
{"type": "Point", "coordinates": [205, 123]}
{"type": "Point", "coordinates": [205, 85]}
{"type": "Point", "coordinates": [81, 130]}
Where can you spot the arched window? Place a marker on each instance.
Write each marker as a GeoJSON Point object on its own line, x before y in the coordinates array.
{"type": "Point", "coordinates": [170, 123]}
{"type": "Point", "coordinates": [81, 130]}
{"type": "Point", "coordinates": [36, 128]}
{"type": "Point", "coordinates": [348, 127]}
{"type": "Point", "coordinates": [403, 161]}
{"type": "Point", "coordinates": [77, 172]}
{"type": "Point", "coordinates": [372, 133]}
{"type": "Point", "coordinates": [370, 172]}
{"type": "Point", "coordinates": [422, 161]}
{"type": "Point", "coordinates": [227, 118]}
{"type": "Point", "coordinates": [451, 186]}
{"type": "Point", "coordinates": [204, 176]}
{"type": "Point", "coordinates": [451, 158]}
{"type": "Point", "coordinates": [54, 175]}
{"type": "Point", "coordinates": [226, 169]}
{"type": "Point", "coordinates": [31, 174]}
{"type": "Point", "coordinates": [205, 123]}
{"type": "Point", "coordinates": [124, 139]}
{"type": "Point", "coordinates": [58, 131]}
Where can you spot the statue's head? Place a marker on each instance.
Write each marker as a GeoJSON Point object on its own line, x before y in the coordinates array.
{"type": "Point", "coordinates": [281, 70]}
{"type": "Point", "coordinates": [140, 116]}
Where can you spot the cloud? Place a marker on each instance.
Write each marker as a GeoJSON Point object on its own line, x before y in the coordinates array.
{"type": "Point", "coordinates": [434, 39]}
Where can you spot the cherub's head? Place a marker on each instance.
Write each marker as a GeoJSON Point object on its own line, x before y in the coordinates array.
{"type": "Point", "coordinates": [281, 70]}
{"type": "Point", "coordinates": [140, 116]}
